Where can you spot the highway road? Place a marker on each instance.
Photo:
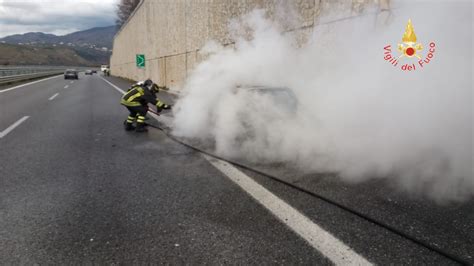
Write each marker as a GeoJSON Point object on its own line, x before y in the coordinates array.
{"type": "Point", "coordinates": [76, 188]}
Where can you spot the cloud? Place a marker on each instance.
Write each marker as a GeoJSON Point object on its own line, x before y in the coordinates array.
{"type": "Point", "coordinates": [56, 17]}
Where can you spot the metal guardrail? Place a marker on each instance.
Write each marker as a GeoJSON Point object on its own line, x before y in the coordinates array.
{"type": "Point", "coordinates": [16, 78]}
{"type": "Point", "coordinates": [19, 70]}
{"type": "Point", "coordinates": [12, 74]}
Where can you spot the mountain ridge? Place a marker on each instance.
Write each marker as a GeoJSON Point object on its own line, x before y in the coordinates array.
{"type": "Point", "coordinates": [97, 37]}
{"type": "Point", "coordinates": [11, 54]}
{"type": "Point", "coordinates": [82, 48]}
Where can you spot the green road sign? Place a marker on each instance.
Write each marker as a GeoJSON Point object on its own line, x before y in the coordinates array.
{"type": "Point", "coordinates": [140, 60]}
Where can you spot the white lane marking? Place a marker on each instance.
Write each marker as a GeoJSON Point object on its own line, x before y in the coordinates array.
{"type": "Point", "coordinates": [10, 128]}
{"type": "Point", "coordinates": [317, 237]}
{"type": "Point", "coordinates": [123, 92]}
{"type": "Point", "coordinates": [113, 86]}
{"type": "Point", "coordinates": [26, 84]}
{"type": "Point", "coordinates": [72, 82]}
{"type": "Point", "coordinates": [320, 239]}
{"type": "Point", "coordinates": [54, 96]}
{"type": "Point", "coordinates": [67, 86]}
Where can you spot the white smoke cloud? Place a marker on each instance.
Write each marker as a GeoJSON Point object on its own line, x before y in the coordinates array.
{"type": "Point", "coordinates": [357, 114]}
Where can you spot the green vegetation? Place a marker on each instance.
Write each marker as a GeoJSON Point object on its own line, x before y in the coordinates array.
{"type": "Point", "coordinates": [60, 55]}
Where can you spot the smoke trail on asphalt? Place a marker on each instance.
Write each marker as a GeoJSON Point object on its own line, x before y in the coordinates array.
{"type": "Point", "coordinates": [356, 114]}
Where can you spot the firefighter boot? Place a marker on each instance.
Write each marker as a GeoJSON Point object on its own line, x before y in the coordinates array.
{"type": "Point", "coordinates": [141, 124]}
{"type": "Point", "coordinates": [128, 126]}
{"type": "Point", "coordinates": [141, 127]}
{"type": "Point", "coordinates": [129, 123]}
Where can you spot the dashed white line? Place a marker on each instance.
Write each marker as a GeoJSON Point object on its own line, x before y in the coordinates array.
{"type": "Point", "coordinates": [320, 239]}
{"type": "Point", "coordinates": [72, 82]}
{"type": "Point", "coordinates": [67, 86]}
{"type": "Point", "coordinates": [10, 128]}
{"type": "Point", "coordinates": [54, 96]}
{"type": "Point", "coordinates": [26, 84]}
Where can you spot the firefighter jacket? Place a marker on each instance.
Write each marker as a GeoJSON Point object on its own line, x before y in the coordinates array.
{"type": "Point", "coordinates": [140, 96]}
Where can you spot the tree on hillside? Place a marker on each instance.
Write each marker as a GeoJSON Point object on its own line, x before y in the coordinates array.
{"type": "Point", "coordinates": [124, 9]}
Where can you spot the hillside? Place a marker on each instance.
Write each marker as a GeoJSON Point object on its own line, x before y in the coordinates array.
{"type": "Point", "coordinates": [28, 55]}
{"type": "Point", "coordinates": [101, 37]}
{"type": "Point", "coordinates": [92, 38]}
{"type": "Point", "coordinates": [88, 47]}
{"type": "Point", "coordinates": [31, 37]}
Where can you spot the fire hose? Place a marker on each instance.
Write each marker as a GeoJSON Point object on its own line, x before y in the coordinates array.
{"type": "Point", "coordinates": [423, 243]}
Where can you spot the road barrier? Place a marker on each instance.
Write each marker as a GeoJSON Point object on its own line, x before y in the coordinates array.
{"type": "Point", "coordinates": [7, 71]}
{"type": "Point", "coordinates": [4, 80]}
{"type": "Point", "coordinates": [12, 74]}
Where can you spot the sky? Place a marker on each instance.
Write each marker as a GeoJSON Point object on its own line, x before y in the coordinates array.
{"type": "Point", "coordinates": [54, 16]}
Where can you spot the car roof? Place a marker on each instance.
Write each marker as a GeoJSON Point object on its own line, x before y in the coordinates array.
{"type": "Point", "coordinates": [262, 88]}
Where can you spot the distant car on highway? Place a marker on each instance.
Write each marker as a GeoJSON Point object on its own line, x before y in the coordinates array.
{"type": "Point", "coordinates": [94, 71]}
{"type": "Point", "coordinates": [71, 74]}
{"type": "Point", "coordinates": [89, 72]}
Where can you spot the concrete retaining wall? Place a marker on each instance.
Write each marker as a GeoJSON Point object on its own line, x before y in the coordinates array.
{"type": "Point", "coordinates": [171, 32]}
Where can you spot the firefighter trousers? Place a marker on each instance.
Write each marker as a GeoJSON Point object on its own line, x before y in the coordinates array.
{"type": "Point", "coordinates": [138, 113]}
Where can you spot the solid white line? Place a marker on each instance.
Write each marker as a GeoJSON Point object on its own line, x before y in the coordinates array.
{"type": "Point", "coordinates": [317, 237]}
{"type": "Point", "coordinates": [67, 86]}
{"type": "Point", "coordinates": [54, 96]}
{"type": "Point", "coordinates": [113, 86]}
{"type": "Point", "coordinates": [26, 84]}
{"type": "Point", "coordinates": [10, 128]}
{"type": "Point", "coordinates": [123, 92]}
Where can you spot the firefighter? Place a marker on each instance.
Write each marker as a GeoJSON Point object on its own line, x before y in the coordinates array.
{"type": "Point", "coordinates": [137, 99]}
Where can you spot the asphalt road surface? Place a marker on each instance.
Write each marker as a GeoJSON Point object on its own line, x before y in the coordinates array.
{"type": "Point", "coordinates": [76, 188]}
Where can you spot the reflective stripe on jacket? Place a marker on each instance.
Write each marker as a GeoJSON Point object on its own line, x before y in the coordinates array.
{"type": "Point", "coordinates": [139, 95]}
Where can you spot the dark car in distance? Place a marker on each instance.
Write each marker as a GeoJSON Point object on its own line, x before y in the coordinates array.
{"type": "Point", "coordinates": [71, 74]}
{"type": "Point", "coordinates": [89, 72]}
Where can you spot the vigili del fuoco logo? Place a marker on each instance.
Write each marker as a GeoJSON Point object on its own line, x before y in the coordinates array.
{"type": "Point", "coordinates": [410, 57]}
